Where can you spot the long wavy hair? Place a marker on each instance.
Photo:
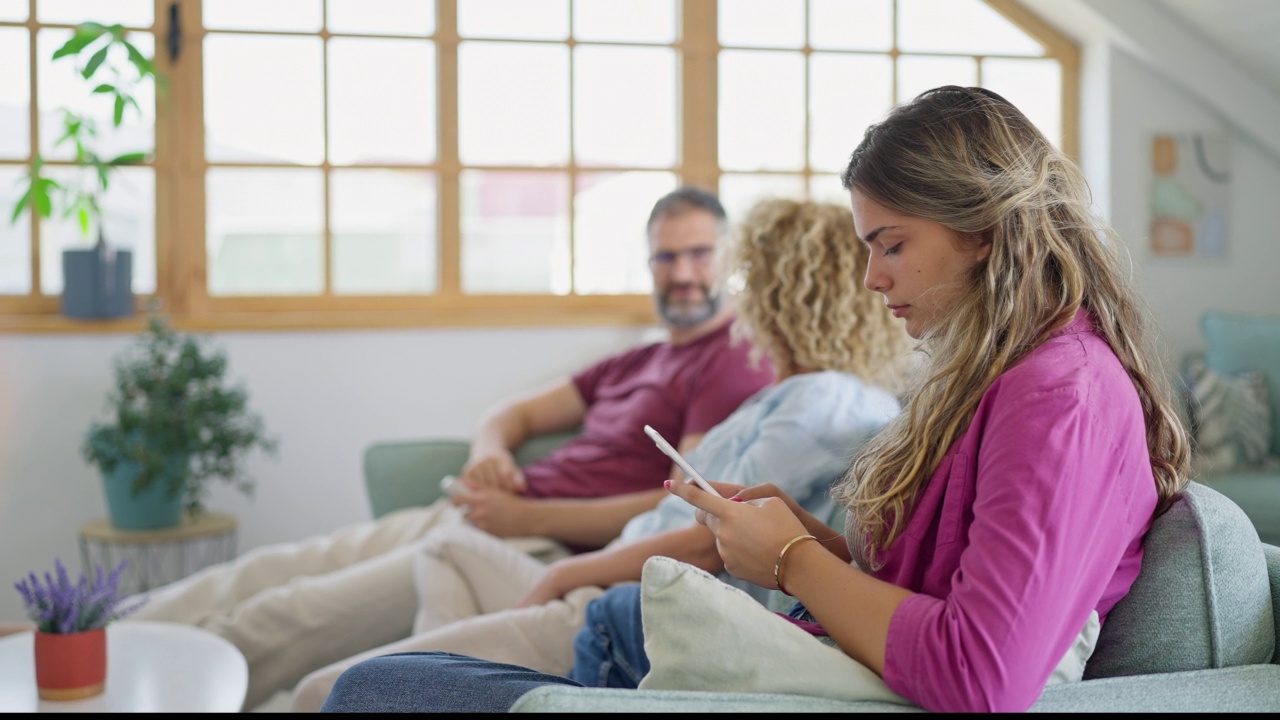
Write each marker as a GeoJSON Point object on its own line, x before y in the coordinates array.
{"type": "Point", "coordinates": [968, 159]}
{"type": "Point", "coordinates": [802, 301]}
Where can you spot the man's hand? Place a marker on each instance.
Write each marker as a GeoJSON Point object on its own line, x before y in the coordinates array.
{"type": "Point", "coordinates": [497, 512]}
{"type": "Point", "coordinates": [496, 470]}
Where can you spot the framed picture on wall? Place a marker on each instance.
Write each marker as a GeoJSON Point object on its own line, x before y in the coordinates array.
{"type": "Point", "coordinates": [1190, 192]}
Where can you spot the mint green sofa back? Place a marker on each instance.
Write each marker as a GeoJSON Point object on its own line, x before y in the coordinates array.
{"type": "Point", "coordinates": [407, 473]}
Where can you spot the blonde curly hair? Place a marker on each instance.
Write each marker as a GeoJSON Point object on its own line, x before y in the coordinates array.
{"type": "Point", "coordinates": [802, 301]}
{"type": "Point", "coordinates": [970, 160]}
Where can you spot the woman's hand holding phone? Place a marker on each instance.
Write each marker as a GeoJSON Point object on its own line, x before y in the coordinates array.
{"type": "Point", "coordinates": [749, 532]}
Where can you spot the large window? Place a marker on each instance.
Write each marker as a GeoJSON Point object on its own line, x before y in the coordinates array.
{"type": "Point", "coordinates": [461, 162]}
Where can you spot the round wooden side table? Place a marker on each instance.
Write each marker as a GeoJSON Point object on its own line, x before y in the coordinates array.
{"type": "Point", "coordinates": [158, 557]}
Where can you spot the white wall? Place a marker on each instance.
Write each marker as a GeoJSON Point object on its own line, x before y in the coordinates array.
{"type": "Point", "coordinates": [1144, 102]}
{"type": "Point", "coordinates": [325, 395]}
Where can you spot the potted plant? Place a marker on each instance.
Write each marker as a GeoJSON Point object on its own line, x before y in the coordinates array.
{"type": "Point", "coordinates": [175, 425]}
{"type": "Point", "coordinates": [70, 629]}
{"type": "Point", "coordinates": [97, 281]}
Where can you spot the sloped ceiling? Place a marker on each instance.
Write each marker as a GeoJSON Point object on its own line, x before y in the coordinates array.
{"type": "Point", "coordinates": [1247, 31]}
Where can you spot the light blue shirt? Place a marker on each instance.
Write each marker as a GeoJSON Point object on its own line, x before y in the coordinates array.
{"type": "Point", "coordinates": [799, 434]}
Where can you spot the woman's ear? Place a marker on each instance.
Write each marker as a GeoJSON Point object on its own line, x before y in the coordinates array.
{"type": "Point", "coordinates": [982, 243]}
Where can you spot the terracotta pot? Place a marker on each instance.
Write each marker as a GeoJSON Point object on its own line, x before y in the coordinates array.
{"type": "Point", "coordinates": [71, 666]}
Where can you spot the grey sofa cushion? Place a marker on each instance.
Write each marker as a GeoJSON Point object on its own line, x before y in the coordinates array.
{"type": "Point", "coordinates": [1203, 599]}
{"type": "Point", "coordinates": [1272, 554]}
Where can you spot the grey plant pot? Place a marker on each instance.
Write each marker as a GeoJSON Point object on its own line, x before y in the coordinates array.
{"type": "Point", "coordinates": [97, 282]}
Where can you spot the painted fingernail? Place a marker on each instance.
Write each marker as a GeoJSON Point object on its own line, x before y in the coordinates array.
{"type": "Point", "coordinates": [666, 484]}
{"type": "Point", "coordinates": [736, 498]}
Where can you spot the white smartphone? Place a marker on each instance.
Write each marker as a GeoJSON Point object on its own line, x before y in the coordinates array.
{"type": "Point", "coordinates": [670, 452]}
{"type": "Point", "coordinates": [450, 485]}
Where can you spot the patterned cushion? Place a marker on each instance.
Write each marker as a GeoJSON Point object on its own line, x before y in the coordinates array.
{"type": "Point", "coordinates": [1230, 418]}
{"type": "Point", "coordinates": [1202, 600]}
{"type": "Point", "coordinates": [1240, 341]}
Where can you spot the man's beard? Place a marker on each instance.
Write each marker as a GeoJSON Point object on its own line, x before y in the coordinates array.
{"type": "Point", "coordinates": [688, 315]}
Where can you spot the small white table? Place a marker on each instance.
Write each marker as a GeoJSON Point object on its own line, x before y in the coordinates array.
{"type": "Point", "coordinates": [151, 667]}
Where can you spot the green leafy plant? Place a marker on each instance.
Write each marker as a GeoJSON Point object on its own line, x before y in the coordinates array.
{"type": "Point", "coordinates": [175, 416]}
{"type": "Point", "coordinates": [102, 50]}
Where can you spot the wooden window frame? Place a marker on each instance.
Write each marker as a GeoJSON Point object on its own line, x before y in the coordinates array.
{"type": "Point", "coordinates": [180, 167]}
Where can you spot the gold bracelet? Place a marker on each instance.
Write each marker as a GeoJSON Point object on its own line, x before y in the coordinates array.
{"type": "Point", "coordinates": [777, 565]}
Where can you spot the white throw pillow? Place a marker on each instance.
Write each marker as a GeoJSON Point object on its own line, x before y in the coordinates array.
{"type": "Point", "coordinates": [701, 634]}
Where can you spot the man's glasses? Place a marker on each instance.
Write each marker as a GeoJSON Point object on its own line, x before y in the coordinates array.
{"type": "Point", "coordinates": [667, 258]}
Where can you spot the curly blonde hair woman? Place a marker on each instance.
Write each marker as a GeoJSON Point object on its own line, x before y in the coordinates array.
{"type": "Point", "coordinates": [795, 258]}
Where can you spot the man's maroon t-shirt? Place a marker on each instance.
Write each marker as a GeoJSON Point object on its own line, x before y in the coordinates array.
{"type": "Point", "coordinates": [679, 390]}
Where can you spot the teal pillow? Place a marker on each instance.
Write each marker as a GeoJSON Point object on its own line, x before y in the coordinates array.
{"type": "Point", "coordinates": [1239, 342]}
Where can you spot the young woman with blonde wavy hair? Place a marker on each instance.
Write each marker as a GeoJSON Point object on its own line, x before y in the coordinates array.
{"type": "Point", "coordinates": [993, 525]}
{"type": "Point", "coordinates": [1003, 512]}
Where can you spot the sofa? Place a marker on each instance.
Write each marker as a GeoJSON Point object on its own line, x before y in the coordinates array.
{"type": "Point", "coordinates": [1199, 631]}
{"type": "Point", "coordinates": [1236, 345]}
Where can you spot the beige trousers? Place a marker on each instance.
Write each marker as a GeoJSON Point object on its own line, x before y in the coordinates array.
{"type": "Point", "coordinates": [468, 583]}
{"type": "Point", "coordinates": [294, 607]}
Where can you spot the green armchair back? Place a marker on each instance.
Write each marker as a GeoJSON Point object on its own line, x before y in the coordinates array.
{"type": "Point", "coordinates": [407, 473]}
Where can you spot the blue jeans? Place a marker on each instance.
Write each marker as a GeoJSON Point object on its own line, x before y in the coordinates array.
{"type": "Point", "coordinates": [433, 682]}
{"type": "Point", "coordinates": [609, 649]}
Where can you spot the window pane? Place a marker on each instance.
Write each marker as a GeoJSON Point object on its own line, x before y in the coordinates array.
{"type": "Point", "coordinates": [611, 247]}
{"type": "Point", "coordinates": [290, 15]}
{"type": "Point", "coordinates": [279, 78]}
{"type": "Point", "coordinates": [625, 20]}
{"type": "Point", "coordinates": [60, 85]}
{"type": "Point", "coordinates": [382, 101]}
{"type": "Point", "coordinates": [827, 188]}
{"type": "Point", "coordinates": [515, 232]}
{"type": "Point", "coordinates": [130, 13]}
{"type": "Point", "coordinates": [516, 19]}
{"type": "Point", "coordinates": [496, 78]}
{"type": "Point", "coordinates": [625, 102]}
{"type": "Point", "coordinates": [382, 17]}
{"type": "Point", "coordinates": [15, 238]}
{"type": "Point", "coordinates": [15, 10]}
{"type": "Point", "coordinates": [960, 26]}
{"type": "Point", "coordinates": [1034, 86]}
{"type": "Point", "coordinates": [129, 223]}
{"type": "Point", "coordinates": [761, 110]}
{"type": "Point", "coordinates": [851, 24]}
{"type": "Point", "coordinates": [15, 94]}
{"type": "Point", "coordinates": [761, 23]}
{"type": "Point", "coordinates": [917, 73]}
{"type": "Point", "coordinates": [265, 231]}
{"type": "Point", "coordinates": [739, 192]}
{"type": "Point", "coordinates": [384, 231]}
{"type": "Point", "coordinates": [846, 94]}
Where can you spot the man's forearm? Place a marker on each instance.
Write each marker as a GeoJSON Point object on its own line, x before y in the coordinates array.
{"type": "Point", "coordinates": [589, 522]}
{"type": "Point", "coordinates": [501, 431]}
